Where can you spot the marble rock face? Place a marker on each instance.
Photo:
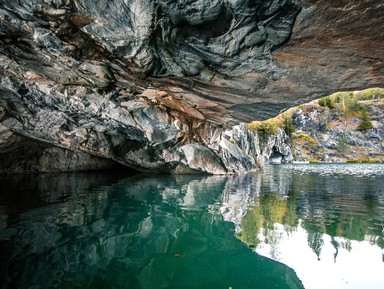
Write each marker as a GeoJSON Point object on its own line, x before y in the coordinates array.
{"type": "Point", "coordinates": [152, 84]}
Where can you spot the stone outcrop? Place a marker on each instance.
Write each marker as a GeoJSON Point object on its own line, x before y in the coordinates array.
{"type": "Point", "coordinates": [320, 134]}
{"type": "Point", "coordinates": [329, 135]}
{"type": "Point", "coordinates": [153, 84]}
{"type": "Point", "coordinates": [22, 155]}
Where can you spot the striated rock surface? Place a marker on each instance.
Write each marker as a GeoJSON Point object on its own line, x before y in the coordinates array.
{"type": "Point", "coordinates": [153, 84]}
{"type": "Point", "coordinates": [331, 135]}
{"type": "Point", "coordinates": [22, 155]}
{"type": "Point", "coordinates": [320, 133]}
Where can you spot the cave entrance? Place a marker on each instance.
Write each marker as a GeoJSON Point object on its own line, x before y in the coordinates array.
{"type": "Point", "coordinates": [276, 157]}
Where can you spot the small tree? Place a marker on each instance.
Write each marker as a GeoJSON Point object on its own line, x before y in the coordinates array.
{"type": "Point", "coordinates": [288, 124]}
{"type": "Point", "coordinates": [342, 143]}
{"type": "Point", "coordinates": [365, 122]}
{"type": "Point", "coordinates": [326, 101]}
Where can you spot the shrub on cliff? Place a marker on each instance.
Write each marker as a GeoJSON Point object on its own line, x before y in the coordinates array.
{"type": "Point", "coordinates": [326, 101]}
{"type": "Point", "coordinates": [268, 127]}
{"type": "Point", "coordinates": [304, 139]}
{"type": "Point", "coordinates": [370, 93]}
{"type": "Point", "coordinates": [288, 125]}
{"type": "Point", "coordinates": [365, 122]}
{"type": "Point", "coordinates": [342, 143]}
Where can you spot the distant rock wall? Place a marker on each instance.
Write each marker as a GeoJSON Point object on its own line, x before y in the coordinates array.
{"type": "Point", "coordinates": [320, 134]}
{"type": "Point", "coordinates": [329, 135]}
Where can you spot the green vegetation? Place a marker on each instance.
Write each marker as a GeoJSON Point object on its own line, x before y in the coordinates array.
{"type": "Point", "coordinates": [366, 160]}
{"type": "Point", "coordinates": [288, 125]}
{"type": "Point", "coordinates": [303, 139]}
{"type": "Point", "coordinates": [342, 143]}
{"type": "Point", "coordinates": [326, 101]}
{"type": "Point", "coordinates": [370, 93]}
{"type": "Point", "coordinates": [365, 123]}
{"type": "Point", "coordinates": [342, 96]}
{"type": "Point", "coordinates": [267, 127]}
{"type": "Point", "coordinates": [348, 101]}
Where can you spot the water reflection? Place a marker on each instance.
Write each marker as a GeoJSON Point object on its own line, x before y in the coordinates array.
{"type": "Point", "coordinates": [324, 221]}
{"type": "Point", "coordinates": [102, 231]}
{"type": "Point", "coordinates": [163, 232]}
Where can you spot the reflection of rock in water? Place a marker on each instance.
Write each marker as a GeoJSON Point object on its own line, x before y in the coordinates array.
{"type": "Point", "coordinates": [268, 207]}
{"type": "Point", "coordinates": [239, 193]}
{"type": "Point", "coordinates": [128, 234]}
{"type": "Point", "coordinates": [89, 231]}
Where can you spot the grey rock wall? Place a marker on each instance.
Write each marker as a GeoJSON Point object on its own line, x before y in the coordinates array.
{"type": "Point", "coordinates": [334, 137]}
{"type": "Point", "coordinates": [152, 84]}
{"type": "Point", "coordinates": [261, 148]}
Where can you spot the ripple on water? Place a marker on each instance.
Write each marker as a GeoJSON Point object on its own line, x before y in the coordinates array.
{"type": "Point", "coordinates": [358, 170]}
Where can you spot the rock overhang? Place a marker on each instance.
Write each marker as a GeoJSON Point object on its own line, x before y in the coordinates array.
{"type": "Point", "coordinates": [199, 66]}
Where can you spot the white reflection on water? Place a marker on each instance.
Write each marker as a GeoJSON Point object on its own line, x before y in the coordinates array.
{"type": "Point", "coordinates": [335, 239]}
{"type": "Point", "coordinates": [358, 170]}
{"type": "Point", "coordinates": [350, 265]}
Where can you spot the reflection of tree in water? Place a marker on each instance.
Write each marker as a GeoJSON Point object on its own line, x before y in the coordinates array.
{"type": "Point", "coordinates": [335, 244]}
{"type": "Point", "coordinates": [151, 233]}
{"type": "Point", "coordinates": [338, 206]}
{"type": "Point", "coordinates": [272, 209]}
{"type": "Point", "coordinates": [316, 242]}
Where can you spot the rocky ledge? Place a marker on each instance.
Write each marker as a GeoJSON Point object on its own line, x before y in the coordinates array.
{"type": "Point", "coordinates": [154, 84]}
{"type": "Point", "coordinates": [343, 127]}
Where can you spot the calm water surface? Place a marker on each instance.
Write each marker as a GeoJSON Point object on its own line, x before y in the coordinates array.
{"type": "Point", "coordinates": [291, 226]}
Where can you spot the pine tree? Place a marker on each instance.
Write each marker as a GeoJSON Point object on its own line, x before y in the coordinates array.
{"type": "Point", "coordinates": [365, 122]}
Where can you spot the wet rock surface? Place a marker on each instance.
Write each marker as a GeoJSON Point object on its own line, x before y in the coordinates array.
{"type": "Point", "coordinates": [139, 82]}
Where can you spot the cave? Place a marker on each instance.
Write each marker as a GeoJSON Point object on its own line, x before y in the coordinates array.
{"type": "Point", "coordinates": [159, 85]}
{"type": "Point", "coordinates": [276, 157]}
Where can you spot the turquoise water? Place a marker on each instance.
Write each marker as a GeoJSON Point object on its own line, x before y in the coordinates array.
{"type": "Point", "coordinates": [297, 226]}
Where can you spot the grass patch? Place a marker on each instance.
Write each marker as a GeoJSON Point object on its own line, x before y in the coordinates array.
{"type": "Point", "coordinates": [349, 102]}
{"type": "Point", "coordinates": [370, 93]}
{"type": "Point", "coordinates": [267, 127]}
{"type": "Point", "coordinates": [302, 138]}
{"type": "Point", "coordinates": [270, 126]}
{"type": "Point", "coordinates": [366, 160]}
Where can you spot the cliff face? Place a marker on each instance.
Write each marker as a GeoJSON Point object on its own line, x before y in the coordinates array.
{"type": "Point", "coordinates": [325, 130]}
{"type": "Point", "coordinates": [332, 135]}
{"type": "Point", "coordinates": [153, 84]}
